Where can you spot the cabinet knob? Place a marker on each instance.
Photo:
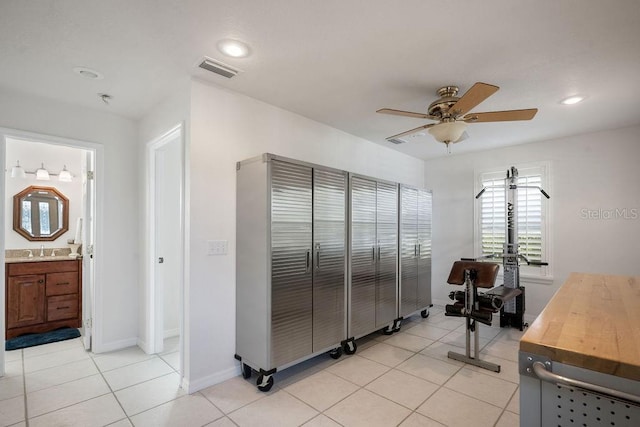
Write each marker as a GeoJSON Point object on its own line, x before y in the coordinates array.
{"type": "Point", "coordinates": [41, 281]}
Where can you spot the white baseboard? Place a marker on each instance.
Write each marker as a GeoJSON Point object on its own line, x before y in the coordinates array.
{"type": "Point", "coordinates": [202, 383]}
{"type": "Point", "coordinates": [171, 333]}
{"type": "Point", "coordinates": [144, 346]}
{"type": "Point", "coordinates": [114, 345]}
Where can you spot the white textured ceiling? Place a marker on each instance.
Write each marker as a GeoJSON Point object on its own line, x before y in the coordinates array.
{"type": "Point", "coordinates": [338, 61]}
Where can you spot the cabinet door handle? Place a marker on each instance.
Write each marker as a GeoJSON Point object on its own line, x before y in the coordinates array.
{"type": "Point", "coordinates": [373, 255]}
{"type": "Point", "coordinates": [41, 281]}
{"type": "Point", "coordinates": [62, 283]}
{"type": "Point", "coordinates": [63, 308]}
{"type": "Point", "coordinates": [308, 260]}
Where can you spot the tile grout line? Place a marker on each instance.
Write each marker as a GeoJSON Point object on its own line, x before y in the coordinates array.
{"type": "Point", "coordinates": [111, 390]}
{"type": "Point", "coordinates": [24, 390]}
{"type": "Point", "coordinates": [505, 407]}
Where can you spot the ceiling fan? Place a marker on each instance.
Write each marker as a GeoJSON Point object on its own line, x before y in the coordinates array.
{"type": "Point", "coordinates": [452, 114]}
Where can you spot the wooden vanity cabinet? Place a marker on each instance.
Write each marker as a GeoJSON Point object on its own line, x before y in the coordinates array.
{"type": "Point", "coordinates": [43, 296]}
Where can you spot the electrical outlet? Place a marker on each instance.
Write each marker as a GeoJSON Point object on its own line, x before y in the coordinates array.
{"type": "Point", "coordinates": [217, 247]}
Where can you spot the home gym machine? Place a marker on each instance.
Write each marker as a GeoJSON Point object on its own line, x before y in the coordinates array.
{"type": "Point", "coordinates": [512, 313]}
{"type": "Point", "coordinates": [508, 298]}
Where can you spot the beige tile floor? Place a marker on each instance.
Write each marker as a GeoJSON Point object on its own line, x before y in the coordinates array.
{"type": "Point", "coordinates": [404, 380]}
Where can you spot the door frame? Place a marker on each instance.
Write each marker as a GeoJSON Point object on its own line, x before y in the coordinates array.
{"type": "Point", "coordinates": [98, 153]}
{"type": "Point", "coordinates": [154, 298]}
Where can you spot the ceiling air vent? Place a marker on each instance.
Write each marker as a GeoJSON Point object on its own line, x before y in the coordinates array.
{"type": "Point", "coordinates": [218, 67]}
{"type": "Point", "coordinates": [396, 141]}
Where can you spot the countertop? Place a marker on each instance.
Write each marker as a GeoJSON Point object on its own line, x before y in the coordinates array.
{"type": "Point", "coordinates": [39, 259]}
{"type": "Point", "coordinates": [592, 322]}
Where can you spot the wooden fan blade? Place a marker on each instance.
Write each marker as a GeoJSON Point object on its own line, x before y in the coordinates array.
{"type": "Point", "coordinates": [405, 113]}
{"type": "Point", "coordinates": [474, 96]}
{"type": "Point", "coordinates": [409, 132]}
{"type": "Point", "coordinates": [501, 116]}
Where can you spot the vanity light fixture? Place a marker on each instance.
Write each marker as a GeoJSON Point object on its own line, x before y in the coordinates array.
{"type": "Point", "coordinates": [17, 171]}
{"type": "Point", "coordinates": [42, 174]}
{"type": "Point", "coordinates": [64, 175]}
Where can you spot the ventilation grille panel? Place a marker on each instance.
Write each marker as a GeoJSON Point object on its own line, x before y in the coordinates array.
{"type": "Point", "coordinates": [218, 67]}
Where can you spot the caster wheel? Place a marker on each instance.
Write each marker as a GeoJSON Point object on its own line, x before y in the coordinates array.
{"type": "Point", "coordinates": [424, 314]}
{"type": "Point", "coordinates": [397, 325]}
{"type": "Point", "coordinates": [336, 353]}
{"type": "Point", "coordinates": [350, 347]}
{"type": "Point", "coordinates": [246, 371]}
{"type": "Point", "coordinates": [264, 383]}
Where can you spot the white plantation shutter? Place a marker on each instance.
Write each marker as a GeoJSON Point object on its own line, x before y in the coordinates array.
{"type": "Point", "coordinates": [531, 214]}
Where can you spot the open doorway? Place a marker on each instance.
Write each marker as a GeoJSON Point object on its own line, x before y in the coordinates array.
{"type": "Point", "coordinates": [23, 154]}
{"type": "Point", "coordinates": [166, 247]}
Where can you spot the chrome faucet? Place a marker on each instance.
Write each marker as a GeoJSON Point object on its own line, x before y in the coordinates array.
{"type": "Point", "coordinates": [29, 253]}
{"type": "Point", "coordinates": [41, 250]}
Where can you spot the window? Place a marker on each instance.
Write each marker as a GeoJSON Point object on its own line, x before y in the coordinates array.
{"type": "Point", "coordinates": [531, 212]}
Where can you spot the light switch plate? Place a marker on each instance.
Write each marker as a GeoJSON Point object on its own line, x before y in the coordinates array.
{"type": "Point", "coordinates": [217, 247]}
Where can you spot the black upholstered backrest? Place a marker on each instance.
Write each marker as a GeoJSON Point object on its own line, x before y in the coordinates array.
{"type": "Point", "coordinates": [486, 273]}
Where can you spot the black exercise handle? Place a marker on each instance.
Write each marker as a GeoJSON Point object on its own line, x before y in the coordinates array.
{"type": "Point", "coordinates": [544, 193]}
{"type": "Point", "coordinates": [467, 259]}
{"type": "Point", "coordinates": [484, 189]}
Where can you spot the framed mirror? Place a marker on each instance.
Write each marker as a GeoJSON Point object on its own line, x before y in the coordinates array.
{"type": "Point", "coordinates": [40, 213]}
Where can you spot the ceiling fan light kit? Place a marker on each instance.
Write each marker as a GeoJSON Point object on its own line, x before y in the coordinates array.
{"type": "Point", "coordinates": [448, 132]}
{"type": "Point", "coordinates": [452, 113]}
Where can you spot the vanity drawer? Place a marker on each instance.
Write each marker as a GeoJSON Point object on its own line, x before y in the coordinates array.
{"type": "Point", "coordinates": [62, 307]}
{"type": "Point", "coordinates": [62, 283]}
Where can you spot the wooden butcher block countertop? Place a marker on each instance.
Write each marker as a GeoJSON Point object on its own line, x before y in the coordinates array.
{"type": "Point", "coordinates": [592, 322]}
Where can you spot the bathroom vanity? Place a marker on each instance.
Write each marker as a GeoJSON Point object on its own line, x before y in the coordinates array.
{"type": "Point", "coordinates": [42, 294]}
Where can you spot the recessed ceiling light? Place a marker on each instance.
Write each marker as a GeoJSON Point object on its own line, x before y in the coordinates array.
{"type": "Point", "coordinates": [233, 48]}
{"type": "Point", "coordinates": [88, 73]}
{"type": "Point", "coordinates": [572, 100]}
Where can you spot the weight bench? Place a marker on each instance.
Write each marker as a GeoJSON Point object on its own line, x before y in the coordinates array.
{"type": "Point", "coordinates": [474, 306]}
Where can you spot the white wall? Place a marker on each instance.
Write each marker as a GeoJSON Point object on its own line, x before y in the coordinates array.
{"type": "Point", "coordinates": [592, 171]}
{"type": "Point", "coordinates": [225, 128]}
{"type": "Point", "coordinates": [116, 175]}
{"type": "Point", "coordinates": [31, 155]}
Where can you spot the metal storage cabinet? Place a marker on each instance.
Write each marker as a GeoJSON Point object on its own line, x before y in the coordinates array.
{"type": "Point", "coordinates": [290, 263]}
{"type": "Point", "coordinates": [415, 251]}
{"type": "Point", "coordinates": [373, 255]}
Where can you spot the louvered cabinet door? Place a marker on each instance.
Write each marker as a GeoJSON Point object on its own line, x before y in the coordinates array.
{"type": "Point", "coordinates": [329, 262]}
{"type": "Point", "coordinates": [387, 253]}
{"type": "Point", "coordinates": [408, 250]}
{"type": "Point", "coordinates": [291, 277]}
{"type": "Point", "coordinates": [424, 248]}
{"type": "Point", "coordinates": [363, 257]}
